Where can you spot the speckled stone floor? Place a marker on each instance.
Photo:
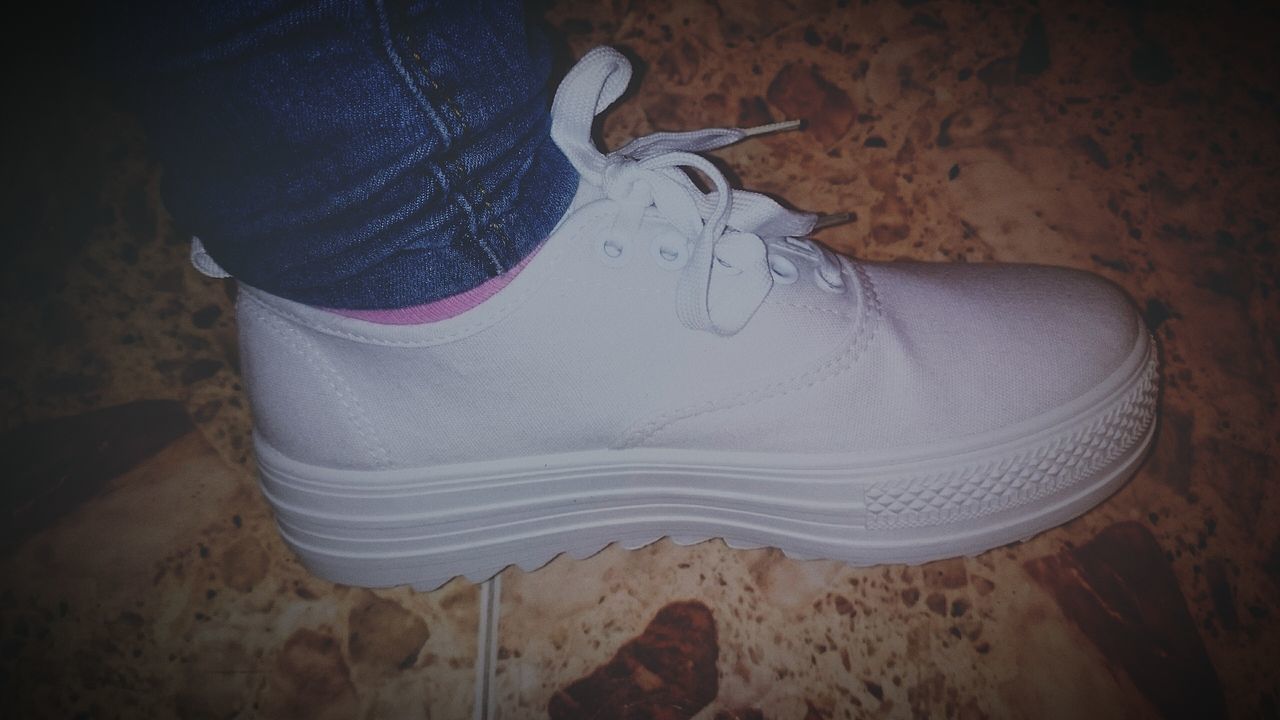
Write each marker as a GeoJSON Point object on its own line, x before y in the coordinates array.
{"type": "Point", "coordinates": [142, 576]}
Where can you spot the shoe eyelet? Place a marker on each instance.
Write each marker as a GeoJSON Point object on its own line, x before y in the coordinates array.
{"type": "Point", "coordinates": [784, 271]}
{"type": "Point", "coordinates": [831, 285]}
{"type": "Point", "coordinates": [670, 250]}
{"type": "Point", "coordinates": [612, 252]}
{"type": "Point", "coordinates": [802, 247]}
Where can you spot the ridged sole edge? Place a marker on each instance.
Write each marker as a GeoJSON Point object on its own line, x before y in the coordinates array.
{"type": "Point", "coordinates": [404, 549]}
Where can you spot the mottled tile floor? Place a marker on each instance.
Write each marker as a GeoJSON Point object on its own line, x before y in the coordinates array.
{"type": "Point", "coordinates": [143, 577]}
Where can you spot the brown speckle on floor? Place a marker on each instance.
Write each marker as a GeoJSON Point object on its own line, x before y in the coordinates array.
{"type": "Point", "coordinates": [1119, 589]}
{"type": "Point", "coordinates": [668, 672]}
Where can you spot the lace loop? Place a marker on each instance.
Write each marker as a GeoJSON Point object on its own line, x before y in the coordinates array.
{"type": "Point", "coordinates": [726, 275]}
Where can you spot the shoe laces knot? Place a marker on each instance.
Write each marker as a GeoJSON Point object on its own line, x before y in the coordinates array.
{"type": "Point", "coordinates": [625, 182]}
{"type": "Point", "coordinates": [727, 275]}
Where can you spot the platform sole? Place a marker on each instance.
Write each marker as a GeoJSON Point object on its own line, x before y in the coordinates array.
{"type": "Point", "coordinates": [422, 527]}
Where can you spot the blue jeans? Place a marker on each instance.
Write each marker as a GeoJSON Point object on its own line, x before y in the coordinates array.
{"type": "Point", "coordinates": [350, 154]}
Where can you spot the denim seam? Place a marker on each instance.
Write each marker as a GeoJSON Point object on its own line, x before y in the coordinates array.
{"type": "Point", "coordinates": [415, 87]}
{"type": "Point", "coordinates": [495, 220]}
{"type": "Point", "coordinates": [495, 223]}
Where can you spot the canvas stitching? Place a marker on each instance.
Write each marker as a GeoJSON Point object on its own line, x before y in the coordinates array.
{"type": "Point", "coordinates": [346, 396]}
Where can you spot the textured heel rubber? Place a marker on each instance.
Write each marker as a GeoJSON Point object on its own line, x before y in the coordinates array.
{"type": "Point", "coordinates": [422, 527]}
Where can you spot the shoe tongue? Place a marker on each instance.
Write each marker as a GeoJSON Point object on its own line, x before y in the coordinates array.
{"type": "Point", "coordinates": [740, 281]}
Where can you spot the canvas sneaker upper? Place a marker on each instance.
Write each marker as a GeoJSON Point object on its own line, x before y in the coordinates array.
{"type": "Point", "coordinates": [661, 316]}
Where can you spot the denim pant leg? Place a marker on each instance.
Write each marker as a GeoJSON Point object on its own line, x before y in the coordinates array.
{"type": "Point", "coordinates": [360, 155]}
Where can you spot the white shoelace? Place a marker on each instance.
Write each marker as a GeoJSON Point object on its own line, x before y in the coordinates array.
{"type": "Point", "coordinates": [727, 274]}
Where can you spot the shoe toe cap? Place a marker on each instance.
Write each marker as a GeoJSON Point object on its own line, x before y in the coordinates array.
{"type": "Point", "coordinates": [950, 356]}
{"type": "Point", "coordinates": [987, 346]}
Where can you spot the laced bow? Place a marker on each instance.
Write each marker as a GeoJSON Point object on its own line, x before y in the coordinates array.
{"type": "Point", "coordinates": [727, 274]}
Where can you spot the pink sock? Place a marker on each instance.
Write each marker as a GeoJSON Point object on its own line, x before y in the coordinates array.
{"type": "Point", "coordinates": [440, 309]}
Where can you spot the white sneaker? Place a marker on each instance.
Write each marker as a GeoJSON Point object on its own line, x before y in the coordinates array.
{"type": "Point", "coordinates": [674, 363]}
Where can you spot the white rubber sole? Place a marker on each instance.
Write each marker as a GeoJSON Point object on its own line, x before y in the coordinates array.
{"type": "Point", "coordinates": [422, 527]}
